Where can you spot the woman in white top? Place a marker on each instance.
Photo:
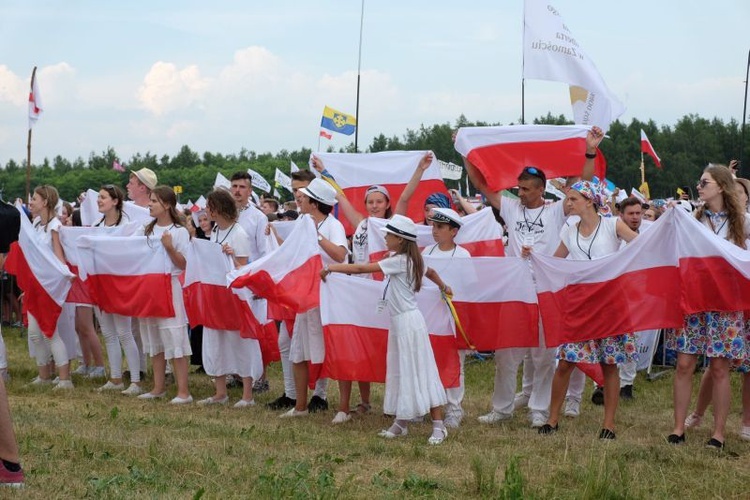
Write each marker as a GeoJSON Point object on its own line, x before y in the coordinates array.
{"type": "Point", "coordinates": [412, 383]}
{"type": "Point", "coordinates": [378, 204]}
{"type": "Point", "coordinates": [168, 337]}
{"type": "Point", "coordinates": [591, 238]}
{"type": "Point", "coordinates": [225, 352]}
{"type": "Point", "coordinates": [47, 225]}
{"type": "Point", "coordinates": [116, 329]}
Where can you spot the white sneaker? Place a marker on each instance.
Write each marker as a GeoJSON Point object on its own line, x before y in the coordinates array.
{"type": "Point", "coordinates": [453, 420]}
{"type": "Point", "coordinates": [494, 417]}
{"type": "Point", "coordinates": [693, 420]}
{"type": "Point", "coordinates": [96, 372]}
{"type": "Point", "coordinates": [56, 380]}
{"type": "Point", "coordinates": [41, 381]}
{"type": "Point", "coordinates": [64, 385]}
{"type": "Point", "coordinates": [572, 408]}
{"type": "Point", "coordinates": [109, 386]}
{"type": "Point", "coordinates": [244, 404]}
{"type": "Point", "coordinates": [151, 395]}
{"type": "Point", "coordinates": [520, 401]}
{"type": "Point", "coordinates": [294, 413]}
{"type": "Point", "coordinates": [341, 417]}
{"type": "Point", "coordinates": [745, 432]}
{"type": "Point", "coordinates": [211, 401]}
{"type": "Point", "coordinates": [181, 401]}
{"type": "Point", "coordinates": [538, 419]}
{"type": "Point", "coordinates": [133, 390]}
{"type": "Point", "coordinates": [81, 370]}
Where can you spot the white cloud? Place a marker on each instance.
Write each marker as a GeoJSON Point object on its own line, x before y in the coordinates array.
{"type": "Point", "coordinates": [166, 88]}
{"type": "Point", "coordinates": [12, 88]}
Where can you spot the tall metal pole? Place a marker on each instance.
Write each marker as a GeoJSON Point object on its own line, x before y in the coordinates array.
{"type": "Point", "coordinates": [28, 145]}
{"type": "Point", "coordinates": [743, 170]}
{"type": "Point", "coordinates": [359, 69]}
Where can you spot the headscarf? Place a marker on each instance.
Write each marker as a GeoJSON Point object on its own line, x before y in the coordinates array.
{"type": "Point", "coordinates": [589, 191]}
{"type": "Point", "coordinates": [439, 200]}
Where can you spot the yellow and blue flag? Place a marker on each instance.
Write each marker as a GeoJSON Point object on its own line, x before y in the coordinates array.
{"type": "Point", "coordinates": [337, 121]}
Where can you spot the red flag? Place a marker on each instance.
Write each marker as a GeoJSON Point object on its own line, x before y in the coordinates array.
{"type": "Point", "coordinates": [500, 153]}
{"type": "Point", "coordinates": [647, 148]}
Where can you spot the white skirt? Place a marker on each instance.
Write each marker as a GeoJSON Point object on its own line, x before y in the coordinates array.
{"type": "Point", "coordinates": [226, 353]}
{"type": "Point", "coordinates": [307, 338]}
{"type": "Point", "coordinates": [412, 382]}
{"type": "Point", "coordinates": [168, 335]}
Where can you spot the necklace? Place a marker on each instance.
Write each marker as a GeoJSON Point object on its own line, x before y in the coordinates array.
{"type": "Point", "coordinates": [533, 223]}
{"type": "Point", "coordinates": [437, 246]}
{"type": "Point", "coordinates": [717, 216]}
{"type": "Point", "coordinates": [226, 235]}
{"type": "Point", "coordinates": [578, 234]}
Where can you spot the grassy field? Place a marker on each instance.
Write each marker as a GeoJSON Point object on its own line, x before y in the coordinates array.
{"type": "Point", "coordinates": [82, 443]}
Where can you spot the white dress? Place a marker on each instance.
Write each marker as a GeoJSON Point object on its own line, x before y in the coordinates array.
{"type": "Point", "coordinates": [412, 382]}
{"type": "Point", "coordinates": [225, 352]}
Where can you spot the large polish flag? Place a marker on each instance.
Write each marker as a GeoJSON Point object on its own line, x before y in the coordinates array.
{"type": "Point", "coordinates": [494, 298]}
{"type": "Point", "coordinates": [637, 288]}
{"type": "Point", "coordinates": [69, 241]}
{"type": "Point", "coordinates": [356, 335]}
{"type": "Point", "coordinates": [44, 280]}
{"type": "Point", "coordinates": [501, 153]}
{"type": "Point", "coordinates": [90, 214]}
{"type": "Point", "coordinates": [208, 300]}
{"type": "Point", "coordinates": [127, 276]}
{"type": "Point", "coordinates": [289, 275]}
{"type": "Point", "coordinates": [647, 148]}
{"type": "Point", "coordinates": [355, 172]}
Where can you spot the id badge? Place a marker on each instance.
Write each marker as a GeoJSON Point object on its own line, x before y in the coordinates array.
{"type": "Point", "coordinates": [382, 306]}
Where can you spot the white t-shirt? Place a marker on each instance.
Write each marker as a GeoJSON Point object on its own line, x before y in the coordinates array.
{"type": "Point", "coordinates": [45, 232]}
{"type": "Point", "coordinates": [180, 240]}
{"type": "Point", "coordinates": [399, 290]}
{"type": "Point", "coordinates": [601, 242]}
{"type": "Point", "coordinates": [721, 229]}
{"type": "Point", "coordinates": [360, 248]}
{"type": "Point", "coordinates": [254, 222]}
{"type": "Point", "coordinates": [457, 252]}
{"type": "Point", "coordinates": [235, 237]}
{"type": "Point", "coordinates": [544, 223]}
{"type": "Point", "coordinates": [331, 229]}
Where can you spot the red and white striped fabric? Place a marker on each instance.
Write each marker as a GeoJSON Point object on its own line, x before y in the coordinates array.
{"type": "Point", "coordinates": [289, 275]}
{"type": "Point", "coordinates": [638, 288]}
{"type": "Point", "coordinates": [494, 298]}
{"type": "Point", "coordinates": [208, 300]}
{"type": "Point", "coordinates": [90, 214]}
{"type": "Point", "coordinates": [647, 148]}
{"type": "Point", "coordinates": [355, 172]}
{"type": "Point", "coordinates": [356, 336]}
{"type": "Point", "coordinates": [500, 153]}
{"type": "Point", "coordinates": [127, 276]}
{"type": "Point", "coordinates": [44, 280]}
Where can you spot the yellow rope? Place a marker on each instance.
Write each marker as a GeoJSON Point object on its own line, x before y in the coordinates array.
{"type": "Point", "coordinates": [447, 299]}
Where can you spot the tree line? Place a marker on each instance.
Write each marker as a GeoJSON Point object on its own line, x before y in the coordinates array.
{"type": "Point", "coordinates": [685, 149]}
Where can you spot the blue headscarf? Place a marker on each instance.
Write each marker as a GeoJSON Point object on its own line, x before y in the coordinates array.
{"type": "Point", "coordinates": [439, 200]}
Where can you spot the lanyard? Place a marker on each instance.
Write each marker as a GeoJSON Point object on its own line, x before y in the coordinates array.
{"type": "Point", "coordinates": [385, 290]}
{"type": "Point", "coordinates": [435, 246]}
{"type": "Point", "coordinates": [533, 223]}
{"type": "Point", "coordinates": [578, 233]}
{"type": "Point", "coordinates": [225, 236]}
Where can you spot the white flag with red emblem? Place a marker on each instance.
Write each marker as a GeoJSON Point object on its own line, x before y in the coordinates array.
{"type": "Point", "coordinates": [35, 101]}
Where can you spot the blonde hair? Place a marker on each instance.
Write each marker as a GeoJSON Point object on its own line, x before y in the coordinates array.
{"type": "Point", "coordinates": [414, 262]}
{"type": "Point", "coordinates": [50, 195]}
{"type": "Point", "coordinates": [735, 211]}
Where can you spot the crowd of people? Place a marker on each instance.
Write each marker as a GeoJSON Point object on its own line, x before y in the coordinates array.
{"type": "Point", "coordinates": [585, 225]}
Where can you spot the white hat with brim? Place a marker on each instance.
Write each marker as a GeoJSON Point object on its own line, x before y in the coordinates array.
{"type": "Point", "coordinates": [446, 216]}
{"type": "Point", "coordinates": [321, 191]}
{"type": "Point", "coordinates": [146, 176]}
{"type": "Point", "coordinates": [401, 226]}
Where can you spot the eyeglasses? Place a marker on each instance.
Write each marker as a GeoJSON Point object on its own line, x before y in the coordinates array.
{"type": "Point", "coordinates": [704, 182]}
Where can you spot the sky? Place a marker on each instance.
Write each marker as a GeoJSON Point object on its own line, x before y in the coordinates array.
{"type": "Point", "coordinates": [151, 76]}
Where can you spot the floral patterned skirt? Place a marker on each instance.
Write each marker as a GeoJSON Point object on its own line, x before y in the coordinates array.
{"type": "Point", "coordinates": [713, 334]}
{"type": "Point", "coordinates": [609, 351]}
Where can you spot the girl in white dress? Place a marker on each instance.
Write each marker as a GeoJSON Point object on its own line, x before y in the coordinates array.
{"type": "Point", "coordinates": [412, 382]}
{"type": "Point", "coordinates": [168, 337]}
{"type": "Point", "coordinates": [225, 352]}
{"type": "Point", "coordinates": [116, 329]}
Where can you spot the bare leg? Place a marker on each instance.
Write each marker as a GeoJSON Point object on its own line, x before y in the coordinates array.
{"type": "Point", "coordinates": [683, 384]}
{"type": "Point", "coordinates": [364, 392]}
{"type": "Point", "coordinates": [159, 365]}
{"type": "Point", "coordinates": [722, 395]}
{"type": "Point", "coordinates": [560, 382]}
{"type": "Point", "coordinates": [301, 377]}
{"type": "Point", "coordinates": [345, 395]}
{"type": "Point", "coordinates": [220, 385]}
{"type": "Point", "coordinates": [746, 400]}
{"type": "Point", "coordinates": [181, 366]}
{"type": "Point", "coordinates": [705, 394]}
{"type": "Point", "coordinates": [611, 395]}
{"type": "Point", "coordinates": [8, 444]}
{"type": "Point", "coordinates": [247, 389]}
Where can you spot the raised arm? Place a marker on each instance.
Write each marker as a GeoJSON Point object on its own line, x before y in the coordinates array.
{"type": "Point", "coordinates": [402, 206]}
{"type": "Point", "coordinates": [345, 205]}
{"type": "Point", "coordinates": [593, 138]}
{"type": "Point", "coordinates": [467, 207]}
{"type": "Point", "coordinates": [477, 179]}
{"type": "Point", "coordinates": [624, 232]}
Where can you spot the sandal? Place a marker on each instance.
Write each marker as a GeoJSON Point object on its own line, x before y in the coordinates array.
{"type": "Point", "coordinates": [435, 440]}
{"type": "Point", "coordinates": [606, 434]}
{"type": "Point", "coordinates": [676, 439]}
{"type": "Point", "coordinates": [547, 429]}
{"type": "Point", "coordinates": [362, 408]}
{"type": "Point", "coordinates": [394, 431]}
{"type": "Point", "coordinates": [715, 444]}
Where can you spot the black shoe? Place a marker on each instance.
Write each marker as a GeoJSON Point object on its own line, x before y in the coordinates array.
{"type": "Point", "coordinates": [547, 429]}
{"type": "Point", "coordinates": [597, 397]}
{"type": "Point", "coordinates": [317, 404]}
{"type": "Point", "coordinates": [675, 439]}
{"type": "Point", "coordinates": [606, 434]}
{"type": "Point", "coordinates": [715, 444]}
{"type": "Point", "coordinates": [626, 392]}
{"type": "Point", "coordinates": [281, 403]}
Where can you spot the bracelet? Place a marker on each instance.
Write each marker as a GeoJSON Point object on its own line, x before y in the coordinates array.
{"type": "Point", "coordinates": [327, 269]}
{"type": "Point", "coordinates": [590, 156]}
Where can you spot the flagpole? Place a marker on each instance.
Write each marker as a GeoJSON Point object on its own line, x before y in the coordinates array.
{"type": "Point", "coordinates": [742, 169]}
{"type": "Point", "coordinates": [28, 145]}
{"type": "Point", "coordinates": [359, 68]}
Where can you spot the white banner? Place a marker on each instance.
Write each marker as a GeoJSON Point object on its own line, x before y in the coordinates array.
{"type": "Point", "coordinates": [450, 171]}
{"type": "Point", "coordinates": [259, 181]}
{"type": "Point", "coordinates": [646, 344]}
{"type": "Point", "coordinates": [283, 180]}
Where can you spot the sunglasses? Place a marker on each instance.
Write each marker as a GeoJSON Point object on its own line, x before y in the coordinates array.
{"type": "Point", "coordinates": [704, 182]}
{"type": "Point", "coordinates": [535, 172]}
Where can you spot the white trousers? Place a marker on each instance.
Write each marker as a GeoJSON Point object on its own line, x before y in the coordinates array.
{"type": "Point", "coordinates": [455, 395]}
{"type": "Point", "coordinates": [506, 373]}
{"type": "Point", "coordinates": [45, 347]}
{"type": "Point", "coordinates": [118, 337]}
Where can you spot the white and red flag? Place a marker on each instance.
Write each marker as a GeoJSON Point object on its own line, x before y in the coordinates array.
{"type": "Point", "coordinates": [356, 336]}
{"type": "Point", "coordinates": [647, 148]}
{"type": "Point", "coordinates": [127, 276]}
{"type": "Point", "coordinates": [501, 153]}
{"type": "Point", "coordinates": [355, 172]}
{"type": "Point", "coordinates": [44, 280]}
{"type": "Point", "coordinates": [495, 301]}
{"type": "Point", "coordinates": [35, 101]}
{"type": "Point", "coordinates": [117, 167]}
{"type": "Point", "coordinates": [90, 214]}
{"type": "Point", "coordinates": [289, 275]}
